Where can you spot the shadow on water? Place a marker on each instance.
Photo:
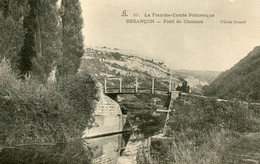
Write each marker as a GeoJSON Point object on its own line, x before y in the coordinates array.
{"type": "Point", "coordinates": [59, 153]}
{"type": "Point", "coordinates": [104, 149]}
{"type": "Point", "coordinates": [96, 150]}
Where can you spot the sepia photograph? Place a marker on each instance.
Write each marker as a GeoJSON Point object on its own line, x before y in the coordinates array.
{"type": "Point", "coordinates": [129, 82]}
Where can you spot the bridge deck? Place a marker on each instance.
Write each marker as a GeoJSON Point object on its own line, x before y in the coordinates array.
{"type": "Point", "coordinates": [136, 88]}
{"type": "Point", "coordinates": [163, 92]}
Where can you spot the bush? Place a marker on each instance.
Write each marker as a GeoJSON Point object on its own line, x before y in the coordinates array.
{"type": "Point", "coordinates": [203, 115]}
{"type": "Point", "coordinates": [116, 55]}
{"type": "Point", "coordinates": [147, 123]}
{"type": "Point", "coordinates": [34, 113]}
{"type": "Point", "coordinates": [181, 149]}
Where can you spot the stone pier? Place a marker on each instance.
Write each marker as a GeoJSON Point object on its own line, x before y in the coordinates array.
{"type": "Point", "coordinates": [108, 117]}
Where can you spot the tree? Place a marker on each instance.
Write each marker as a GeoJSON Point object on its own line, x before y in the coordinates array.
{"type": "Point", "coordinates": [12, 13]}
{"type": "Point", "coordinates": [28, 52]}
{"type": "Point", "coordinates": [72, 39]}
{"type": "Point", "coordinates": [42, 38]}
{"type": "Point", "coordinates": [48, 39]}
{"type": "Point", "coordinates": [42, 41]}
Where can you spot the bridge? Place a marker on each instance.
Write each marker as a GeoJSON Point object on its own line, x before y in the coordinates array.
{"type": "Point", "coordinates": [114, 86]}
{"type": "Point", "coordinates": [135, 85]}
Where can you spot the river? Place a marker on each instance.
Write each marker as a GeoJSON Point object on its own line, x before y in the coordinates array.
{"type": "Point", "coordinates": [107, 149]}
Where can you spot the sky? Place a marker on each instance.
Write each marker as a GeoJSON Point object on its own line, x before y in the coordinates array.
{"type": "Point", "coordinates": [211, 46]}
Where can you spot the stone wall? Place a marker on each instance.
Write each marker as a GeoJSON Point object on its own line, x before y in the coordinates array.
{"type": "Point", "coordinates": [106, 150]}
{"type": "Point", "coordinates": [108, 117]}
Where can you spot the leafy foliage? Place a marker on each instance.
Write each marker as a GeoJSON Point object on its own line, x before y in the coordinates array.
{"type": "Point", "coordinates": [36, 113]}
{"type": "Point", "coordinates": [72, 39]}
{"type": "Point", "coordinates": [116, 55]}
{"type": "Point", "coordinates": [12, 13]}
{"type": "Point", "coordinates": [199, 115]}
{"type": "Point", "coordinates": [48, 39]}
{"type": "Point", "coordinates": [41, 37]}
{"type": "Point", "coordinates": [147, 123]}
{"type": "Point", "coordinates": [42, 40]}
{"type": "Point", "coordinates": [140, 112]}
{"type": "Point", "coordinates": [28, 51]}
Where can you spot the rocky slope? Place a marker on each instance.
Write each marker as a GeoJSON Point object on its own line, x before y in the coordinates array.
{"type": "Point", "coordinates": [103, 62]}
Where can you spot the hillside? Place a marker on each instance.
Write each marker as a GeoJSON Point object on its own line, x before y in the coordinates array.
{"type": "Point", "coordinates": [242, 81]}
{"type": "Point", "coordinates": [107, 62]}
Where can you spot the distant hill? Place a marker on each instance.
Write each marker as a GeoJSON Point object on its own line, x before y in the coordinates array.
{"type": "Point", "coordinates": [205, 76]}
{"type": "Point", "coordinates": [242, 81]}
{"type": "Point", "coordinates": [197, 79]}
{"type": "Point", "coordinates": [109, 63]}
{"type": "Point", "coordinates": [103, 62]}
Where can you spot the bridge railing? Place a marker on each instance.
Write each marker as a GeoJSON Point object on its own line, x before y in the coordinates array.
{"type": "Point", "coordinates": [137, 85]}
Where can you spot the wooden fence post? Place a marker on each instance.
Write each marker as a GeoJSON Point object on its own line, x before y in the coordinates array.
{"type": "Point", "coordinates": [136, 85]}
{"type": "Point", "coordinates": [105, 85]}
{"type": "Point", "coordinates": [120, 85]}
{"type": "Point", "coordinates": [170, 86]}
{"type": "Point", "coordinates": [152, 85]}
